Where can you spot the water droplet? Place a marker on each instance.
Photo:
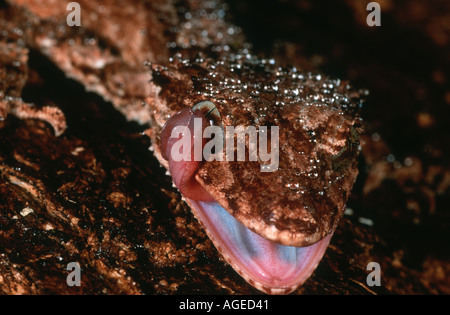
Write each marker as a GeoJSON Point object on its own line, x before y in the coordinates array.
{"type": "Point", "coordinates": [375, 136]}
{"type": "Point", "coordinates": [390, 158]}
{"type": "Point", "coordinates": [408, 161]}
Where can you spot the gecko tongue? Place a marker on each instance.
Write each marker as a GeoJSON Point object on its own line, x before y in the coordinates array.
{"type": "Point", "coordinates": [268, 266]}
{"type": "Point", "coordinates": [183, 170]}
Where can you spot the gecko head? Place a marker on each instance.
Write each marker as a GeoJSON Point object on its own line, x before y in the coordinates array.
{"type": "Point", "coordinates": [272, 224]}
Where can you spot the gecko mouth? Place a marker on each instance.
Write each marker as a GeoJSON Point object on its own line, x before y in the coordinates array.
{"type": "Point", "coordinates": [268, 266]}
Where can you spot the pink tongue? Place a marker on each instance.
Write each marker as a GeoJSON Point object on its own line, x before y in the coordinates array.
{"type": "Point", "coordinates": [270, 267]}
{"type": "Point", "coordinates": [183, 172]}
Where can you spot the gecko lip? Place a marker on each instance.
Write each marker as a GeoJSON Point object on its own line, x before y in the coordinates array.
{"type": "Point", "coordinates": [268, 266]}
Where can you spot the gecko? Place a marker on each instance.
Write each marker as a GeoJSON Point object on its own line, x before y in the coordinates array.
{"type": "Point", "coordinates": [273, 228]}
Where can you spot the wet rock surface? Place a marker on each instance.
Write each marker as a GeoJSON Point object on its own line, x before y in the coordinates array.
{"type": "Point", "coordinates": [97, 196]}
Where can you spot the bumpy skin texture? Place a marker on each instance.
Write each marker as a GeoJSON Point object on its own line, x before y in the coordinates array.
{"type": "Point", "coordinates": [304, 199]}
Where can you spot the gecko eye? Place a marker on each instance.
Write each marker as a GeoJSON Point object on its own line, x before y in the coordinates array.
{"type": "Point", "coordinates": [210, 112]}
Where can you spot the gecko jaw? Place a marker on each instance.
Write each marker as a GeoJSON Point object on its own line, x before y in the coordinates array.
{"type": "Point", "coordinates": [269, 267]}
